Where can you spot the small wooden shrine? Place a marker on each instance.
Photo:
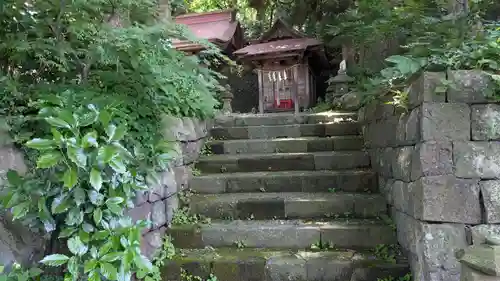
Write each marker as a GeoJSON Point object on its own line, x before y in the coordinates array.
{"type": "Point", "coordinates": [285, 61]}
{"type": "Point", "coordinates": [218, 27]}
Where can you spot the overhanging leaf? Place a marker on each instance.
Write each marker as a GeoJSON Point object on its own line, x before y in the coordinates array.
{"type": "Point", "coordinates": [48, 160]}
{"type": "Point", "coordinates": [70, 177]}
{"type": "Point", "coordinates": [55, 260]}
{"type": "Point", "coordinates": [41, 144]}
{"type": "Point", "coordinates": [96, 179]}
{"type": "Point", "coordinates": [56, 122]}
{"type": "Point", "coordinates": [76, 246]}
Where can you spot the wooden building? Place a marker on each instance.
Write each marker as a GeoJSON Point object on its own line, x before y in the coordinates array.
{"type": "Point", "coordinates": [218, 27]}
{"type": "Point", "coordinates": [286, 62]}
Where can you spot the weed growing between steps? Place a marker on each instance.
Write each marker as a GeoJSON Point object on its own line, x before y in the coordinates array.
{"type": "Point", "coordinates": [165, 253]}
{"type": "Point", "coordinates": [407, 277]}
{"type": "Point", "coordinates": [323, 246]}
{"type": "Point", "coordinates": [387, 253]}
{"type": "Point", "coordinates": [183, 214]}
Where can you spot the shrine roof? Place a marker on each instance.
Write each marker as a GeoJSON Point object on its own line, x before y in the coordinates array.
{"type": "Point", "coordinates": [278, 46]}
{"type": "Point", "coordinates": [280, 38]}
{"type": "Point", "coordinates": [218, 27]}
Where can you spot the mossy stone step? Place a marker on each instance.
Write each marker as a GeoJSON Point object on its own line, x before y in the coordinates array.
{"type": "Point", "coordinates": [281, 118]}
{"type": "Point", "coordinates": [262, 206]}
{"type": "Point", "coordinates": [284, 234]}
{"type": "Point", "coordinates": [326, 160]}
{"type": "Point", "coordinates": [287, 181]}
{"type": "Point", "coordinates": [287, 131]}
{"type": "Point", "coordinates": [286, 145]}
{"type": "Point", "coordinates": [228, 264]}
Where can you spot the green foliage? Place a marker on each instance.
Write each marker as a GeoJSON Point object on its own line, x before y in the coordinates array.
{"type": "Point", "coordinates": [17, 273]}
{"type": "Point", "coordinates": [407, 277]}
{"type": "Point", "coordinates": [71, 54]}
{"type": "Point", "coordinates": [89, 180]}
{"type": "Point", "coordinates": [386, 253]}
{"type": "Point", "coordinates": [183, 215]}
{"type": "Point", "coordinates": [165, 253]}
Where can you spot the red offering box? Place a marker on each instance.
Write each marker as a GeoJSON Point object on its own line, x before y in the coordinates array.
{"type": "Point", "coordinates": [286, 103]}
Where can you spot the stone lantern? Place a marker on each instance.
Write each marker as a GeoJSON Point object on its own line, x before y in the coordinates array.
{"type": "Point", "coordinates": [341, 82]}
{"type": "Point", "coordinates": [227, 97]}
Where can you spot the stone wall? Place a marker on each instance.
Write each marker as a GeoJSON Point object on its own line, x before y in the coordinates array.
{"type": "Point", "coordinates": [438, 166]}
{"type": "Point", "coordinates": [158, 205]}
{"type": "Point", "coordinates": [17, 243]}
{"type": "Point", "coordinates": [187, 135]}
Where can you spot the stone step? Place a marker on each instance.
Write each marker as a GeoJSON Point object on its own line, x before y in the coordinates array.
{"type": "Point", "coordinates": [286, 181]}
{"type": "Point", "coordinates": [305, 161]}
{"type": "Point", "coordinates": [265, 206]}
{"type": "Point", "coordinates": [228, 264]}
{"type": "Point", "coordinates": [284, 234]}
{"type": "Point", "coordinates": [287, 131]}
{"type": "Point", "coordinates": [287, 145]}
{"type": "Point", "coordinates": [282, 118]}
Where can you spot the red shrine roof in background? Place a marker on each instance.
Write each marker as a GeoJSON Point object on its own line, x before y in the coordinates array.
{"type": "Point", "coordinates": [218, 27]}
{"type": "Point", "coordinates": [279, 39]}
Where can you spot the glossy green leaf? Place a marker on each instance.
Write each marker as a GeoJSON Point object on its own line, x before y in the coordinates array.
{"type": "Point", "coordinates": [35, 271]}
{"type": "Point", "coordinates": [48, 160]}
{"type": "Point", "coordinates": [10, 199]}
{"type": "Point", "coordinates": [79, 196]}
{"type": "Point", "coordinates": [67, 116]}
{"type": "Point", "coordinates": [59, 205]}
{"type": "Point", "coordinates": [123, 275]}
{"type": "Point", "coordinates": [96, 179]}
{"type": "Point", "coordinates": [143, 262]}
{"type": "Point", "coordinates": [117, 165]}
{"type": "Point", "coordinates": [56, 122]}
{"type": "Point", "coordinates": [55, 260]}
{"type": "Point", "coordinates": [70, 177]}
{"type": "Point", "coordinates": [94, 276]}
{"type": "Point", "coordinates": [90, 140]}
{"type": "Point", "coordinates": [74, 217]}
{"type": "Point", "coordinates": [115, 209]}
{"type": "Point", "coordinates": [20, 210]}
{"type": "Point", "coordinates": [110, 131]}
{"type": "Point", "coordinates": [115, 200]}
{"type": "Point", "coordinates": [87, 119]}
{"type": "Point", "coordinates": [77, 156]}
{"type": "Point", "coordinates": [14, 178]}
{"type": "Point", "coordinates": [97, 215]}
{"type": "Point", "coordinates": [41, 144]}
{"type": "Point", "coordinates": [100, 235]}
{"type": "Point", "coordinates": [58, 137]}
{"type": "Point", "coordinates": [89, 265]}
{"type": "Point", "coordinates": [104, 117]}
{"type": "Point", "coordinates": [73, 266]}
{"type": "Point", "coordinates": [96, 198]}
{"type": "Point", "coordinates": [109, 271]}
{"type": "Point", "coordinates": [76, 246]}
{"type": "Point", "coordinates": [106, 153]}
{"type": "Point", "coordinates": [119, 133]}
{"type": "Point", "coordinates": [111, 257]}
{"type": "Point", "coordinates": [67, 232]}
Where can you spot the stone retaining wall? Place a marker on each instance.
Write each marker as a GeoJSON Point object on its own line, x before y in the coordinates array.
{"type": "Point", "coordinates": [158, 205]}
{"type": "Point", "coordinates": [438, 166]}
{"type": "Point", "coordinates": [187, 136]}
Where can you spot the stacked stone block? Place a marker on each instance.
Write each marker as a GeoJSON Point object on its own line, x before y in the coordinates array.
{"type": "Point", "coordinates": [187, 136]}
{"type": "Point", "coordinates": [438, 165]}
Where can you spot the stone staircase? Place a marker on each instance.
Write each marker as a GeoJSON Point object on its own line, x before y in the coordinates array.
{"type": "Point", "coordinates": [290, 197]}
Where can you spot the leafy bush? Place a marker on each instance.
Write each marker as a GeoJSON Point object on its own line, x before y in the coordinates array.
{"type": "Point", "coordinates": [83, 87]}
{"type": "Point", "coordinates": [73, 54]}
{"type": "Point", "coordinates": [89, 181]}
